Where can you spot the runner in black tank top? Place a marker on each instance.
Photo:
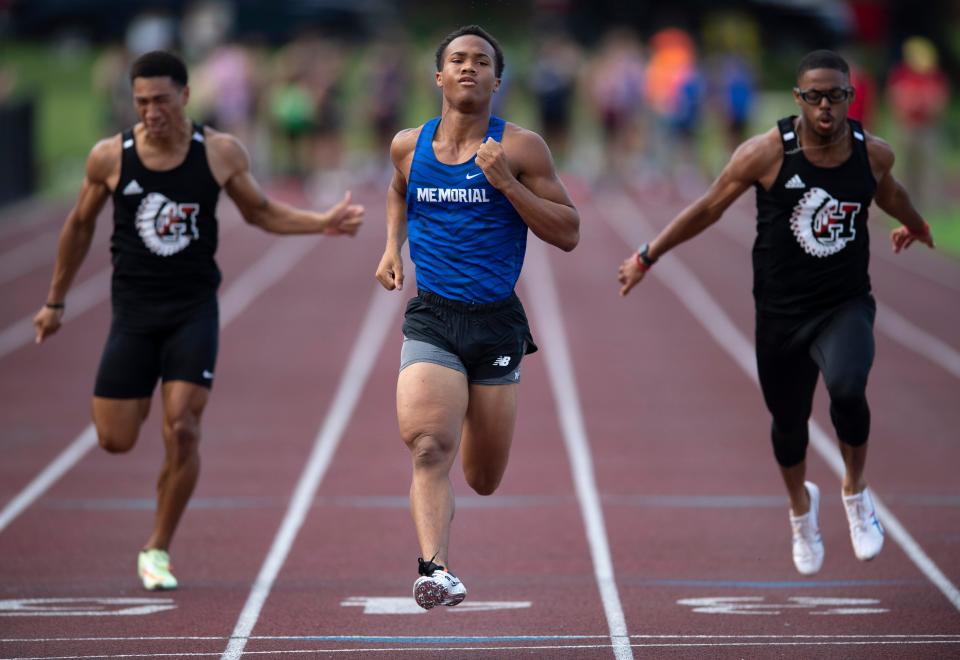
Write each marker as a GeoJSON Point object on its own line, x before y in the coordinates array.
{"type": "Point", "coordinates": [164, 236]}
{"type": "Point", "coordinates": [815, 177]}
{"type": "Point", "coordinates": [165, 176]}
{"type": "Point", "coordinates": [812, 248]}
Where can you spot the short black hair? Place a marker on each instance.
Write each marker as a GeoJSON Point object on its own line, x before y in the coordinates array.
{"type": "Point", "coordinates": [479, 32]}
{"type": "Point", "coordinates": [159, 63]}
{"type": "Point", "coordinates": [822, 59]}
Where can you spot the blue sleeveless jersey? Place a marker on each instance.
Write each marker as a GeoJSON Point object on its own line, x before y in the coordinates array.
{"type": "Point", "coordinates": [466, 238]}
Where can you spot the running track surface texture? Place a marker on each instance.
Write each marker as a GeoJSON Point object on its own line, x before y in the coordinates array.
{"type": "Point", "coordinates": [642, 515]}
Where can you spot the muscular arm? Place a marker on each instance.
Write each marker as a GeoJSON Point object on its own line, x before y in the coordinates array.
{"type": "Point", "coordinates": [77, 232]}
{"type": "Point", "coordinates": [751, 162]}
{"type": "Point", "coordinates": [535, 191]}
{"type": "Point", "coordinates": [231, 165]}
{"type": "Point", "coordinates": [893, 198]}
{"type": "Point", "coordinates": [390, 269]}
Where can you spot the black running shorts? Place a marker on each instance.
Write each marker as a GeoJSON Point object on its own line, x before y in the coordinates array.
{"type": "Point", "coordinates": [490, 339]}
{"type": "Point", "coordinates": [134, 357]}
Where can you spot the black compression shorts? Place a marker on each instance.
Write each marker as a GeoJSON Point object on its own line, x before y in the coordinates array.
{"type": "Point", "coordinates": [134, 357]}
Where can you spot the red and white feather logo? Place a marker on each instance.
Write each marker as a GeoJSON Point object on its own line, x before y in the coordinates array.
{"type": "Point", "coordinates": [822, 224]}
{"type": "Point", "coordinates": [166, 227]}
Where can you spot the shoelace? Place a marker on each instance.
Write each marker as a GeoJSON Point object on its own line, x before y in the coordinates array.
{"type": "Point", "coordinates": [427, 567]}
{"type": "Point", "coordinates": [804, 528]}
{"type": "Point", "coordinates": [859, 522]}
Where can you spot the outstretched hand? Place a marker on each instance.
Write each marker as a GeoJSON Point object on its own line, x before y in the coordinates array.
{"type": "Point", "coordinates": [47, 322]}
{"type": "Point", "coordinates": [902, 238]}
{"type": "Point", "coordinates": [629, 274]}
{"type": "Point", "coordinates": [344, 217]}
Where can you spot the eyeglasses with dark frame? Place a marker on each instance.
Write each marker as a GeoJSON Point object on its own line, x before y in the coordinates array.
{"type": "Point", "coordinates": [814, 96]}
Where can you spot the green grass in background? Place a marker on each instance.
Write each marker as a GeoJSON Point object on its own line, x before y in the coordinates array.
{"type": "Point", "coordinates": [67, 120]}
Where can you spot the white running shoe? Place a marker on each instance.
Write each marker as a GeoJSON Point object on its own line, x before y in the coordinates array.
{"type": "Point", "coordinates": [437, 586]}
{"type": "Point", "coordinates": [153, 566]}
{"type": "Point", "coordinates": [807, 544]}
{"type": "Point", "coordinates": [866, 532]}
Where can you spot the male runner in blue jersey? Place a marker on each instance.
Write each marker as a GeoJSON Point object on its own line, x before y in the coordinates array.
{"type": "Point", "coordinates": [466, 188]}
{"type": "Point", "coordinates": [165, 175]}
{"type": "Point", "coordinates": [815, 176]}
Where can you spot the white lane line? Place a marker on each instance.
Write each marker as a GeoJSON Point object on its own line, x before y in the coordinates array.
{"type": "Point", "coordinates": [50, 474]}
{"type": "Point", "coordinates": [628, 220]}
{"type": "Point", "coordinates": [383, 310]}
{"type": "Point", "coordinates": [503, 638]}
{"type": "Point", "coordinates": [83, 297]}
{"type": "Point", "coordinates": [23, 258]}
{"type": "Point", "coordinates": [920, 341]}
{"type": "Point", "coordinates": [896, 326]}
{"type": "Point", "coordinates": [279, 260]}
{"type": "Point", "coordinates": [545, 305]}
{"type": "Point", "coordinates": [485, 650]}
{"type": "Point", "coordinates": [90, 293]}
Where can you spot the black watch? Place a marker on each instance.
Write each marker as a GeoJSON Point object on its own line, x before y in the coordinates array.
{"type": "Point", "coordinates": [644, 252]}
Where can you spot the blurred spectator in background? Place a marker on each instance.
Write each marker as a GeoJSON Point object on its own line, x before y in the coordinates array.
{"type": "Point", "coordinates": [229, 79]}
{"type": "Point", "coordinates": [674, 90]}
{"type": "Point", "coordinates": [151, 30]}
{"type": "Point", "coordinates": [918, 92]}
{"type": "Point", "coordinates": [736, 85]}
{"type": "Point", "coordinates": [387, 75]}
{"type": "Point", "coordinates": [324, 78]}
{"type": "Point", "coordinates": [864, 95]}
{"type": "Point", "coordinates": [553, 81]}
{"type": "Point", "coordinates": [616, 89]}
{"type": "Point", "coordinates": [111, 82]}
{"type": "Point", "coordinates": [293, 109]}
{"type": "Point", "coordinates": [732, 43]}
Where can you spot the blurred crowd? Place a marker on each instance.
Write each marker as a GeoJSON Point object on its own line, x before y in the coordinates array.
{"type": "Point", "coordinates": [629, 105]}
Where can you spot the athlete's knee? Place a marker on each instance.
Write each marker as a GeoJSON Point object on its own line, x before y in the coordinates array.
{"type": "Point", "coordinates": [483, 482]}
{"type": "Point", "coordinates": [183, 438]}
{"type": "Point", "coordinates": [789, 443]}
{"type": "Point", "coordinates": [116, 442]}
{"type": "Point", "coordinates": [429, 450]}
{"type": "Point", "coordinates": [848, 391]}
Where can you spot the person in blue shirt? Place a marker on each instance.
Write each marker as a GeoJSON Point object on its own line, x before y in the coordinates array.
{"type": "Point", "coordinates": [466, 188]}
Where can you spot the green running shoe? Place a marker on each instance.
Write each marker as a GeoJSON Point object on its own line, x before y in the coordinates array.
{"type": "Point", "coordinates": [153, 565]}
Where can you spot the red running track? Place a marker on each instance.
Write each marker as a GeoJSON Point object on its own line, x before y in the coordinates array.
{"type": "Point", "coordinates": [641, 516]}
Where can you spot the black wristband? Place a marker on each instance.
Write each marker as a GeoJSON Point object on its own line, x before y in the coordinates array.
{"type": "Point", "coordinates": [644, 252]}
{"type": "Point", "coordinates": [54, 305]}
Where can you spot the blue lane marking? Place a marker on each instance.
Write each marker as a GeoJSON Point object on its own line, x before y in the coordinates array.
{"type": "Point", "coordinates": [776, 584]}
{"type": "Point", "coordinates": [430, 640]}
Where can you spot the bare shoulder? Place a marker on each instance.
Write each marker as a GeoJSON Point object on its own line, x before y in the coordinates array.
{"type": "Point", "coordinates": [880, 153]}
{"type": "Point", "coordinates": [527, 151]}
{"type": "Point", "coordinates": [767, 147]}
{"type": "Point", "coordinates": [758, 157]}
{"type": "Point", "coordinates": [519, 137]}
{"type": "Point", "coordinates": [226, 154]}
{"type": "Point", "coordinates": [404, 143]}
{"type": "Point", "coordinates": [223, 146]}
{"type": "Point", "coordinates": [104, 158]}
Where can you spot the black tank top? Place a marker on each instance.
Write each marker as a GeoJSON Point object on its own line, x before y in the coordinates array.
{"type": "Point", "coordinates": [812, 247]}
{"type": "Point", "coordinates": [164, 235]}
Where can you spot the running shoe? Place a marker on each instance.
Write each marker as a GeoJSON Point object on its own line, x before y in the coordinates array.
{"type": "Point", "coordinates": [866, 532]}
{"type": "Point", "coordinates": [153, 565]}
{"type": "Point", "coordinates": [807, 544]}
{"type": "Point", "coordinates": [437, 586]}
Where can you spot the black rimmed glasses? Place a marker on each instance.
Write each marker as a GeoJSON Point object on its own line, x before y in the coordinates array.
{"type": "Point", "coordinates": [814, 96]}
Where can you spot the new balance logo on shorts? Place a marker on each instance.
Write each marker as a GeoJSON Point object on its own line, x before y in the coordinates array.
{"type": "Point", "coordinates": [502, 361]}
